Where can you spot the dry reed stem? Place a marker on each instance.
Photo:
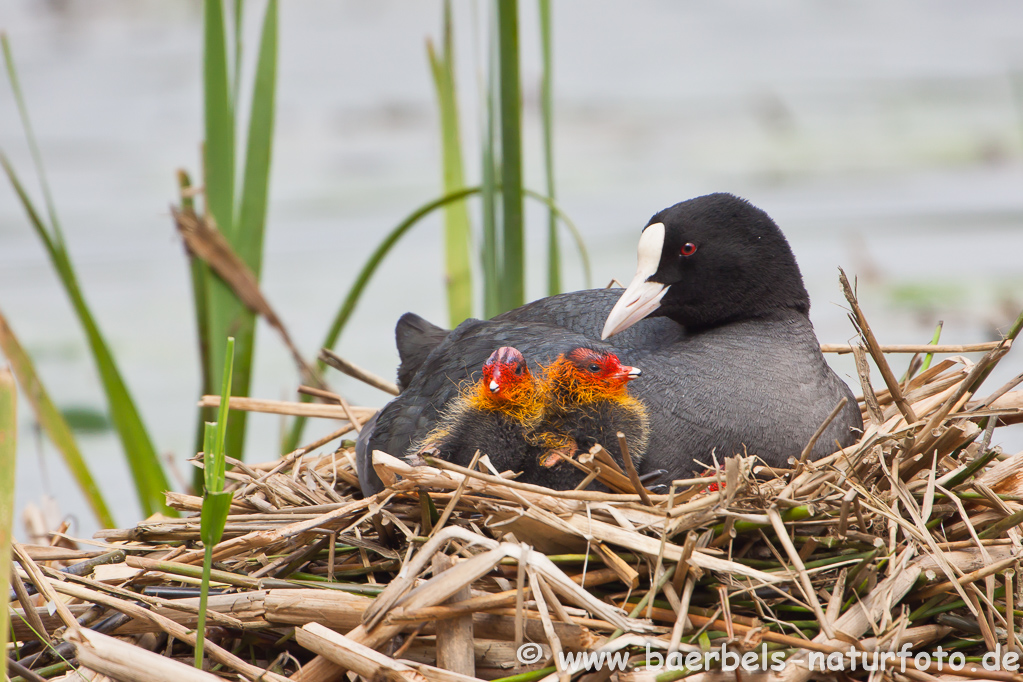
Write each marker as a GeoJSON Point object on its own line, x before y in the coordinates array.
{"type": "Point", "coordinates": [286, 407]}
{"type": "Point", "coordinates": [454, 636]}
{"type": "Point", "coordinates": [124, 661]}
{"type": "Point", "coordinates": [916, 347]}
{"type": "Point", "coordinates": [875, 350]}
{"type": "Point", "coordinates": [329, 357]}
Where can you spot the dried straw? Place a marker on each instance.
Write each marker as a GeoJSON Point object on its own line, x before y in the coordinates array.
{"type": "Point", "coordinates": [912, 535]}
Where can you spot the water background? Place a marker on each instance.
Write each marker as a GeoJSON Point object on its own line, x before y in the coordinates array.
{"type": "Point", "coordinates": [884, 137]}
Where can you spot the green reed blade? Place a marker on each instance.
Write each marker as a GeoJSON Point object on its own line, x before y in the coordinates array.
{"type": "Point", "coordinates": [199, 272]}
{"type": "Point", "coordinates": [490, 256]}
{"type": "Point", "coordinates": [547, 122]}
{"type": "Point", "coordinates": [457, 226]}
{"type": "Point", "coordinates": [934, 342]}
{"type": "Point", "coordinates": [236, 79]}
{"type": "Point", "coordinates": [259, 145]}
{"type": "Point", "coordinates": [216, 482]}
{"type": "Point", "coordinates": [147, 472]}
{"type": "Point", "coordinates": [219, 119]}
{"type": "Point", "coordinates": [216, 504]}
{"type": "Point", "coordinates": [227, 315]}
{"type": "Point", "coordinates": [53, 423]}
{"type": "Point", "coordinates": [242, 223]}
{"type": "Point", "coordinates": [208, 447]}
{"type": "Point", "coordinates": [512, 292]}
{"type": "Point", "coordinates": [30, 136]}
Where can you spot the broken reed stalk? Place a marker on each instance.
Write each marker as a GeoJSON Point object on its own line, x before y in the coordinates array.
{"type": "Point", "coordinates": [841, 348]}
{"type": "Point", "coordinates": [875, 350]}
{"type": "Point", "coordinates": [875, 546]}
{"type": "Point", "coordinates": [630, 469]}
{"type": "Point", "coordinates": [329, 357]}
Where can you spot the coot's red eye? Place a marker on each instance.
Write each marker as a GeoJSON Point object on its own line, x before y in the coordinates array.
{"type": "Point", "coordinates": [688, 249]}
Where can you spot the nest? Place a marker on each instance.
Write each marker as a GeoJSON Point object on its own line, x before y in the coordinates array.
{"type": "Point", "coordinates": [907, 541]}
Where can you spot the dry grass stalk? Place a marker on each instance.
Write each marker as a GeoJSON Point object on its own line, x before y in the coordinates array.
{"type": "Point", "coordinates": [916, 347]}
{"type": "Point", "coordinates": [289, 408]}
{"type": "Point", "coordinates": [875, 350]}
{"type": "Point", "coordinates": [331, 358]}
{"type": "Point", "coordinates": [123, 661]}
{"type": "Point", "coordinates": [454, 636]}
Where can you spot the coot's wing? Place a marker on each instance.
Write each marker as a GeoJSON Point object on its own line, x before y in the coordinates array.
{"type": "Point", "coordinates": [368, 479]}
{"type": "Point", "coordinates": [415, 338]}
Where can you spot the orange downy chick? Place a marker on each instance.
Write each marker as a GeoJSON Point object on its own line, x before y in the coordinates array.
{"type": "Point", "coordinates": [588, 402]}
{"type": "Point", "coordinates": [495, 415]}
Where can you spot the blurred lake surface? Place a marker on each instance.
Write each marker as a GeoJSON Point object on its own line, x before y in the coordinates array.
{"type": "Point", "coordinates": [883, 137]}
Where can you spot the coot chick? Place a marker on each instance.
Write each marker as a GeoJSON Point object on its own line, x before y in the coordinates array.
{"type": "Point", "coordinates": [588, 400]}
{"type": "Point", "coordinates": [497, 415]}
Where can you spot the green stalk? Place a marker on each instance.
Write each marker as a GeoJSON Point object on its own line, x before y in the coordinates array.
{"type": "Point", "coordinates": [1011, 335]}
{"type": "Point", "coordinates": [219, 119]}
{"type": "Point", "coordinates": [8, 460]}
{"type": "Point", "coordinates": [973, 467]}
{"type": "Point", "coordinates": [513, 271]}
{"type": "Point", "coordinates": [216, 504]}
{"type": "Point", "coordinates": [531, 676]}
{"type": "Point", "coordinates": [241, 221]}
{"type": "Point", "coordinates": [53, 423]}
{"type": "Point", "coordinates": [227, 315]}
{"type": "Point", "coordinates": [199, 272]}
{"type": "Point", "coordinates": [934, 342]}
{"type": "Point", "coordinates": [577, 236]}
{"type": "Point", "coordinates": [457, 227]}
{"type": "Point", "coordinates": [547, 120]}
{"type": "Point", "coordinates": [236, 81]}
{"type": "Point", "coordinates": [207, 561]}
{"type": "Point", "coordinates": [491, 180]}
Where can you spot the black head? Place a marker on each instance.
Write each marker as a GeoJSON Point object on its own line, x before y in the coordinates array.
{"type": "Point", "coordinates": [709, 261]}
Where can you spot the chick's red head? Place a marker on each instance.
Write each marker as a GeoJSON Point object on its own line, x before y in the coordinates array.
{"type": "Point", "coordinates": [507, 385]}
{"type": "Point", "coordinates": [600, 370]}
{"type": "Point", "coordinates": [504, 370]}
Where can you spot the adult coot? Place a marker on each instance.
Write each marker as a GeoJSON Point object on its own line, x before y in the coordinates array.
{"type": "Point", "coordinates": [716, 317]}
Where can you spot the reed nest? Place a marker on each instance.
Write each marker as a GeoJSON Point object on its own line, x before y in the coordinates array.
{"type": "Point", "coordinates": [909, 537]}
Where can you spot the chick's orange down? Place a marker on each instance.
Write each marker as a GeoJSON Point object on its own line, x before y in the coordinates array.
{"type": "Point", "coordinates": [587, 402]}
{"type": "Point", "coordinates": [497, 415]}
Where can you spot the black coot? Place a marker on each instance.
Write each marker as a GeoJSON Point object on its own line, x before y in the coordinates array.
{"type": "Point", "coordinates": [717, 319]}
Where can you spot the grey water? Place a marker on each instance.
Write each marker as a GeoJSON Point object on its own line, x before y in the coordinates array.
{"type": "Point", "coordinates": [884, 137]}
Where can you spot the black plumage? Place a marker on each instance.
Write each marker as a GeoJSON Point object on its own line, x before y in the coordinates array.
{"type": "Point", "coordinates": [717, 318]}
